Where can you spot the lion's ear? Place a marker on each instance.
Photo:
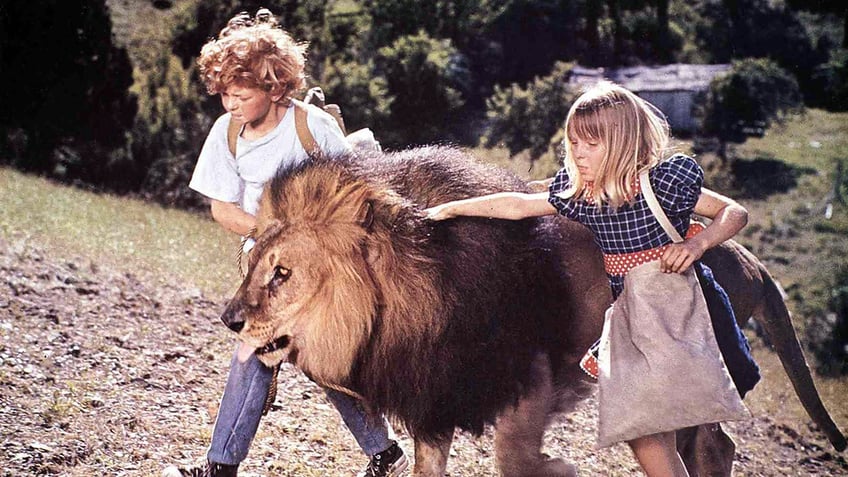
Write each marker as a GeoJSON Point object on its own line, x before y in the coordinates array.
{"type": "Point", "coordinates": [365, 216]}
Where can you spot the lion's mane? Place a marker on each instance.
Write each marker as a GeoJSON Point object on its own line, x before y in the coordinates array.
{"type": "Point", "coordinates": [438, 322]}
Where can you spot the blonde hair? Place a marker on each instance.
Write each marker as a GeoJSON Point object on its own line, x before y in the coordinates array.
{"type": "Point", "coordinates": [634, 133]}
{"type": "Point", "coordinates": [255, 53]}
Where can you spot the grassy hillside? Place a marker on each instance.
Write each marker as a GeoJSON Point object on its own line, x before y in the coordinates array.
{"type": "Point", "coordinates": [164, 273]}
{"type": "Point", "coordinates": [143, 239]}
{"type": "Point", "coordinates": [790, 230]}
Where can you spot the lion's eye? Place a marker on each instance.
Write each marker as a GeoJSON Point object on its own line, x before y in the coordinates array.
{"type": "Point", "coordinates": [281, 274]}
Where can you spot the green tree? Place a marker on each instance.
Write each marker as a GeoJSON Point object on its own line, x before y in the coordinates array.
{"type": "Point", "coordinates": [836, 7]}
{"type": "Point", "coordinates": [747, 100]}
{"type": "Point", "coordinates": [523, 39]}
{"type": "Point", "coordinates": [65, 94]}
{"type": "Point", "coordinates": [362, 95]}
{"type": "Point", "coordinates": [303, 19]}
{"type": "Point", "coordinates": [737, 29]}
{"type": "Point", "coordinates": [426, 79]}
{"type": "Point", "coordinates": [457, 20]}
{"type": "Point", "coordinates": [169, 131]}
{"type": "Point", "coordinates": [527, 118]}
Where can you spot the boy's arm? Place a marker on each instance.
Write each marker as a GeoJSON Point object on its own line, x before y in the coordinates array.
{"type": "Point", "coordinates": [728, 218]}
{"type": "Point", "coordinates": [503, 205]}
{"type": "Point", "coordinates": [232, 218]}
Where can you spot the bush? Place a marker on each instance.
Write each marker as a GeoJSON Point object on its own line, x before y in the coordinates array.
{"type": "Point", "coordinates": [426, 80]}
{"type": "Point", "coordinates": [747, 100]}
{"type": "Point", "coordinates": [169, 131]}
{"type": "Point", "coordinates": [69, 107]}
{"type": "Point", "coordinates": [526, 118]}
{"type": "Point", "coordinates": [827, 334]}
{"type": "Point", "coordinates": [364, 98]}
{"type": "Point", "coordinates": [830, 85]}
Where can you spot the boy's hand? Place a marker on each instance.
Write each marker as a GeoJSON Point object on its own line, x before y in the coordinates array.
{"type": "Point", "coordinates": [678, 257]}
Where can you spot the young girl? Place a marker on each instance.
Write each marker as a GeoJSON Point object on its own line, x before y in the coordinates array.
{"type": "Point", "coordinates": [613, 137]}
{"type": "Point", "coordinates": [255, 67]}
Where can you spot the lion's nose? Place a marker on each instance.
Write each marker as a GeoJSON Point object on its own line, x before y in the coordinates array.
{"type": "Point", "coordinates": [236, 326]}
{"type": "Point", "coordinates": [232, 318]}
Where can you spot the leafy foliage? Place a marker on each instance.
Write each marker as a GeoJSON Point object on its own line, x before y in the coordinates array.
{"type": "Point", "coordinates": [732, 30]}
{"type": "Point", "coordinates": [828, 334]}
{"type": "Point", "coordinates": [745, 101]}
{"type": "Point", "coordinates": [416, 72]}
{"type": "Point", "coordinates": [304, 19]}
{"type": "Point", "coordinates": [829, 85]}
{"type": "Point", "coordinates": [364, 98]}
{"type": "Point", "coordinates": [426, 78]}
{"type": "Point", "coordinates": [66, 104]}
{"type": "Point", "coordinates": [168, 131]}
{"type": "Point", "coordinates": [527, 118]}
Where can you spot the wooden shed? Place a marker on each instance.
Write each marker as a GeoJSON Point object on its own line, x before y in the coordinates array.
{"type": "Point", "coordinates": [674, 89]}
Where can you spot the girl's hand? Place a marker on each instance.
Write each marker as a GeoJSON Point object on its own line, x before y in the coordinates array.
{"type": "Point", "coordinates": [678, 257]}
{"type": "Point", "coordinates": [439, 212]}
{"type": "Point", "coordinates": [540, 185]}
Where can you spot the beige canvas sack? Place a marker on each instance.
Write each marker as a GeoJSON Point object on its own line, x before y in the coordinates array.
{"type": "Point", "coordinates": [660, 368]}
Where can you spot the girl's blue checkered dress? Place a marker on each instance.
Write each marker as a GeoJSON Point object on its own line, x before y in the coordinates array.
{"type": "Point", "coordinates": [632, 227]}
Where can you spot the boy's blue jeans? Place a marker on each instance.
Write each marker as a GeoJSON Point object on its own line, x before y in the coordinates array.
{"type": "Point", "coordinates": [241, 409]}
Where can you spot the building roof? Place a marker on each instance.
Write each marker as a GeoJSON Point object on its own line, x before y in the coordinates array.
{"type": "Point", "coordinates": [674, 77]}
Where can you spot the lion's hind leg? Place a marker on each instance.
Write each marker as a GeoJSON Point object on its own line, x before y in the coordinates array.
{"type": "Point", "coordinates": [431, 459]}
{"type": "Point", "coordinates": [707, 450]}
{"type": "Point", "coordinates": [520, 429]}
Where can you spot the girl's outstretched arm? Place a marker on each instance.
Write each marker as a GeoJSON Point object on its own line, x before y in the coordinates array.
{"type": "Point", "coordinates": [503, 205]}
{"type": "Point", "coordinates": [728, 218]}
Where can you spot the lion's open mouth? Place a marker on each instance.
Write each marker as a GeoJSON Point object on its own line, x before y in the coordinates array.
{"type": "Point", "coordinates": [277, 344]}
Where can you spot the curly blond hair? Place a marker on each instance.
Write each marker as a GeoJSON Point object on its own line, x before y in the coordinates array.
{"type": "Point", "coordinates": [253, 52]}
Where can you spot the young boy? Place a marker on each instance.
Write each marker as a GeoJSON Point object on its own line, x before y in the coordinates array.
{"type": "Point", "coordinates": [255, 66]}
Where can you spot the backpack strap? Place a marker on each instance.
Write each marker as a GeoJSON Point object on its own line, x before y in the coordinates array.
{"type": "Point", "coordinates": [315, 96]}
{"type": "Point", "coordinates": [307, 140]}
{"type": "Point", "coordinates": [304, 135]}
{"type": "Point", "coordinates": [233, 130]}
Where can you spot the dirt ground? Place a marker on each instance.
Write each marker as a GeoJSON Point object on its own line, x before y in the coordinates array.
{"type": "Point", "coordinates": [107, 372]}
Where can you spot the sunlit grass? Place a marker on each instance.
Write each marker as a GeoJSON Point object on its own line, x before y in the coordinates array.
{"type": "Point", "coordinates": [813, 139]}
{"type": "Point", "coordinates": [137, 236]}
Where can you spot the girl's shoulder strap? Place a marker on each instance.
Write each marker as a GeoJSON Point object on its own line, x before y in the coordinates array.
{"type": "Point", "coordinates": [654, 205]}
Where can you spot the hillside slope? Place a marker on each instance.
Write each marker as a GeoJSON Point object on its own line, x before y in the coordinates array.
{"type": "Point", "coordinates": [110, 366]}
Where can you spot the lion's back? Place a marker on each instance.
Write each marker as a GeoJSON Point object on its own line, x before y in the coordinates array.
{"type": "Point", "coordinates": [501, 285]}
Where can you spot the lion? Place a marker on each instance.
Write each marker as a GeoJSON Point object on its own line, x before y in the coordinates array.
{"type": "Point", "coordinates": [457, 324]}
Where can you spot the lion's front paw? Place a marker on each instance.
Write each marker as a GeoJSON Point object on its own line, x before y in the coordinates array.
{"type": "Point", "coordinates": [558, 468]}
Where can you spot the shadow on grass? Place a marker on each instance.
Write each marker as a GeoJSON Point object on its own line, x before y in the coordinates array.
{"type": "Point", "coordinates": [764, 176]}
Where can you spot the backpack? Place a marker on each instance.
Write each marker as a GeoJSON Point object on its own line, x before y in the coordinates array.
{"type": "Point", "coordinates": [362, 139]}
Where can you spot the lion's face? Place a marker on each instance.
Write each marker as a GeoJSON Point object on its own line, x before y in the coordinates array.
{"type": "Point", "coordinates": [307, 299]}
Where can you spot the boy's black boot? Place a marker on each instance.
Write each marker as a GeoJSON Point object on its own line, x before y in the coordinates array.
{"type": "Point", "coordinates": [211, 469]}
{"type": "Point", "coordinates": [389, 463]}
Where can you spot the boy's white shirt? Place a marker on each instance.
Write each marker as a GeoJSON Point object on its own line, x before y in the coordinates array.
{"type": "Point", "coordinates": [220, 176]}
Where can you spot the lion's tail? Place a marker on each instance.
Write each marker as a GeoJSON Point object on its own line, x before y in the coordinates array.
{"type": "Point", "coordinates": [774, 316]}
